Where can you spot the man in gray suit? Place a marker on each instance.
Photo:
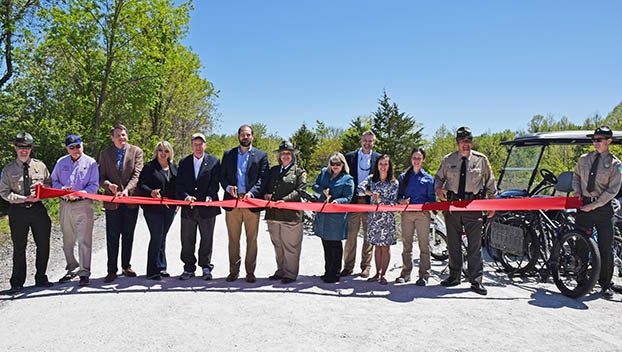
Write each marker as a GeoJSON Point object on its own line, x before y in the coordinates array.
{"type": "Point", "coordinates": [119, 168]}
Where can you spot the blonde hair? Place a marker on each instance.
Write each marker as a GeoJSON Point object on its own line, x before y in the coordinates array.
{"type": "Point", "coordinates": [338, 157]}
{"type": "Point", "coordinates": [166, 145]}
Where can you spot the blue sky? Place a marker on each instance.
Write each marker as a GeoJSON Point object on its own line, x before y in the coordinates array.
{"type": "Point", "coordinates": [490, 65]}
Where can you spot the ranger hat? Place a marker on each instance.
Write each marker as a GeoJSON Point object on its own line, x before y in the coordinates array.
{"type": "Point", "coordinates": [602, 131]}
{"type": "Point", "coordinates": [23, 138]}
{"type": "Point", "coordinates": [72, 139]}
{"type": "Point", "coordinates": [286, 145]}
{"type": "Point", "coordinates": [464, 132]}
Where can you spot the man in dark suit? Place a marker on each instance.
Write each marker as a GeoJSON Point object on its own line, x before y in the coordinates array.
{"type": "Point", "coordinates": [361, 163]}
{"type": "Point", "coordinates": [243, 171]}
{"type": "Point", "coordinates": [197, 180]}
{"type": "Point", "coordinates": [119, 168]}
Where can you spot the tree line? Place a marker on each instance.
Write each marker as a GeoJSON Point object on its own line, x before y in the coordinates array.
{"type": "Point", "coordinates": [80, 66]}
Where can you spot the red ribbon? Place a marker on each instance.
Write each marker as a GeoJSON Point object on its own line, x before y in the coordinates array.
{"type": "Point", "coordinates": [548, 203]}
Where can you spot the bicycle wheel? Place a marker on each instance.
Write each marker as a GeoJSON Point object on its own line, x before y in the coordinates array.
{"type": "Point", "coordinates": [438, 245]}
{"type": "Point", "coordinates": [524, 262]}
{"type": "Point", "coordinates": [617, 251]}
{"type": "Point", "coordinates": [575, 264]}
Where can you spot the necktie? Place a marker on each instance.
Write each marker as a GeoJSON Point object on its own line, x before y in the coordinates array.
{"type": "Point", "coordinates": [462, 182]}
{"type": "Point", "coordinates": [26, 180]}
{"type": "Point", "coordinates": [591, 180]}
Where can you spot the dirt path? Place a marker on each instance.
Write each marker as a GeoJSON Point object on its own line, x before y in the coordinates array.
{"type": "Point", "coordinates": [133, 314]}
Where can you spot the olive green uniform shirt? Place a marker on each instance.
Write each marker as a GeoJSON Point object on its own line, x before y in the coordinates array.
{"type": "Point", "coordinates": [608, 177]}
{"type": "Point", "coordinates": [12, 180]}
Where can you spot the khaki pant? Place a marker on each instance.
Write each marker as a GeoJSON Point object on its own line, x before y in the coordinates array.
{"type": "Point", "coordinates": [418, 221]}
{"type": "Point", "coordinates": [76, 223]}
{"type": "Point", "coordinates": [234, 219]}
{"type": "Point", "coordinates": [287, 240]}
{"type": "Point", "coordinates": [355, 222]}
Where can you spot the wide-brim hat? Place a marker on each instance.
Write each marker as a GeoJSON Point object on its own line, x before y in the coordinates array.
{"type": "Point", "coordinates": [24, 138]}
{"type": "Point", "coordinates": [602, 131]}
{"type": "Point", "coordinates": [286, 145]}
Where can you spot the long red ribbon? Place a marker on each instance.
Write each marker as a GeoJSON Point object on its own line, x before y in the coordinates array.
{"type": "Point", "coordinates": [549, 203]}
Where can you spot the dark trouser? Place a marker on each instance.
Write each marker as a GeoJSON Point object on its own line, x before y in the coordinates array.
{"type": "Point", "coordinates": [602, 219]}
{"type": "Point", "coordinates": [158, 222]}
{"type": "Point", "coordinates": [472, 222]}
{"type": "Point", "coordinates": [189, 238]}
{"type": "Point", "coordinates": [333, 252]}
{"type": "Point", "coordinates": [20, 220]}
{"type": "Point", "coordinates": [120, 224]}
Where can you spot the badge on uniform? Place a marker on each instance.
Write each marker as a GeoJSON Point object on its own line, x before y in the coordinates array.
{"type": "Point", "coordinates": [620, 168]}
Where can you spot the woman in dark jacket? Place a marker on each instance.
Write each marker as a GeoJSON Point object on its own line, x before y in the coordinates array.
{"type": "Point", "coordinates": [285, 183]}
{"type": "Point", "coordinates": [335, 185]}
{"type": "Point", "coordinates": [157, 180]}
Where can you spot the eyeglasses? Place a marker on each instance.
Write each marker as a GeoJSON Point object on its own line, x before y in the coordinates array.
{"type": "Point", "coordinates": [163, 150]}
{"type": "Point", "coordinates": [77, 146]}
{"type": "Point", "coordinates": [24, 146]}
{"type": "Point", "coordinates": [598, 140]}
{"type": "Point", "coordinates": [335, 163]}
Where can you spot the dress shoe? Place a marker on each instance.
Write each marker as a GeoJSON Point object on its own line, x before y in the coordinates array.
{"type": "Point", "coordinates": [345, 272]}
{"type": "Point", "coordinates": [365, 273]}
{"type": "Point", "coordinates": [44, 283]}
{"type": "Point", "coordinates": [607, 292]}
{"type": "Point", "coordinates": [287, 280]}
{"type": "Point", "coordinates": [16, 289]}
{"type": "Point", "coordinates": [84, 281]}
{"type": "Point", "coordinates": [402, 279]}
{"type": "Point", "coordinates": [450, 281]}
{"type": "Point", "coordinates": [275, 277]}
{"type": "Point", "coordinates": [479, 289]}
{"type": "Point", "coordinates": [330, 280]}
{"type": "Point", "coordinates": [155, 277]}
{"type": "Point", "coordinates": [129, 272]}
{"type": "Point", "coordinates": [186, 275]}
{"type": "Point", "coordinates": [250, 278]}
{"type": "Point", "coordinates": [164, 273]}
{"type": "Point", "coordinates": [383, 281]}
{"type": "Point", "coordinates": [207, 274]}
{"type": "Point", "coordinates": [422, 281]}
{"type": "Point", "coordinates": [68, 277]}
{"type": "Point", "coordinates": [110, 277]}
{"type": "Point", "coordinates": [232, 277]}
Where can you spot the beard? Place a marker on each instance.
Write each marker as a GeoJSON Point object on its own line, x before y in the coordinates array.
{"type": "Point", "coordinates": [245, 142]}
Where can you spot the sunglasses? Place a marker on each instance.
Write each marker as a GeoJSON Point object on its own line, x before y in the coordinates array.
{"type": "Point", "coordinates": [24, 146]}
{"type": "Point", "coordinates": [164, 150]}
{"type": "Point", "coordinates": [598, 140]}
{"type": "Point", "coordinates": [335, 163]}
{"type": "Point", "coordinates": [77, 146]}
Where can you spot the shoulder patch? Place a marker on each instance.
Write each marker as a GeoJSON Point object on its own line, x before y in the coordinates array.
{"type": "Point", "coordinates": [620, 169]}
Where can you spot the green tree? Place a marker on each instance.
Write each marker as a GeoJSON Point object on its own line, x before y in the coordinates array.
{"type": "Point", "coordinates": [306, 142]}
{"type": "Point", "coordinates": [351, 138]}
{"type": "Point", "coordinates": [397, 133]}
{"type": "Point", "coordinates": [13, 15]}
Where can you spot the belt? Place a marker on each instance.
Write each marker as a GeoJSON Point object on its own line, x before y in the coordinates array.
{"type": "Point", "coordinates": [451, 196]}
{"type": "Point", "coordinates": [587, 200]}
{"type": "Point", "coordinates": [26, 205]}
{"type": "Point", "coordinates": [241, 195]}
{"type": "Point", "coordinates": [71, 200]}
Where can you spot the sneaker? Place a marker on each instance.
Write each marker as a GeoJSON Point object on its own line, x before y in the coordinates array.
{"type": "Point", "coordinates": [84, 281]}
{"type": "Point", "coordinates": [207, 274]}
{"type": "Point", "coordinates": [186, 275]}
{"type": "Point", "coordinates": [164, 273]}
{"type": "Point", "coordinates": [68, 277]}
{"type": "Point", "coordinates": [421, 281]}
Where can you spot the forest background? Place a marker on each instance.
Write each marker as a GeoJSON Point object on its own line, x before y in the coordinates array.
{"type": "Point", "coordinates": [81, 66]}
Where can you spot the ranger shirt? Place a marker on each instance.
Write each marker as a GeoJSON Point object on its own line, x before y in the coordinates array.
{"type": "Point", "coordinates": [608, 178]}
{"type": "Point", "coordinates": [12, 180]}
{"type": "Point", "coordinates": [478, 176]}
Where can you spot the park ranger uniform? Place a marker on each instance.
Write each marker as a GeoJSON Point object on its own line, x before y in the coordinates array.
{"type": "Point", "coordinates": [479, 183]}
{"type": "Point", "coordinates": [26, 215]}
{"type": "Point", "coordinates": [606, 173]}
